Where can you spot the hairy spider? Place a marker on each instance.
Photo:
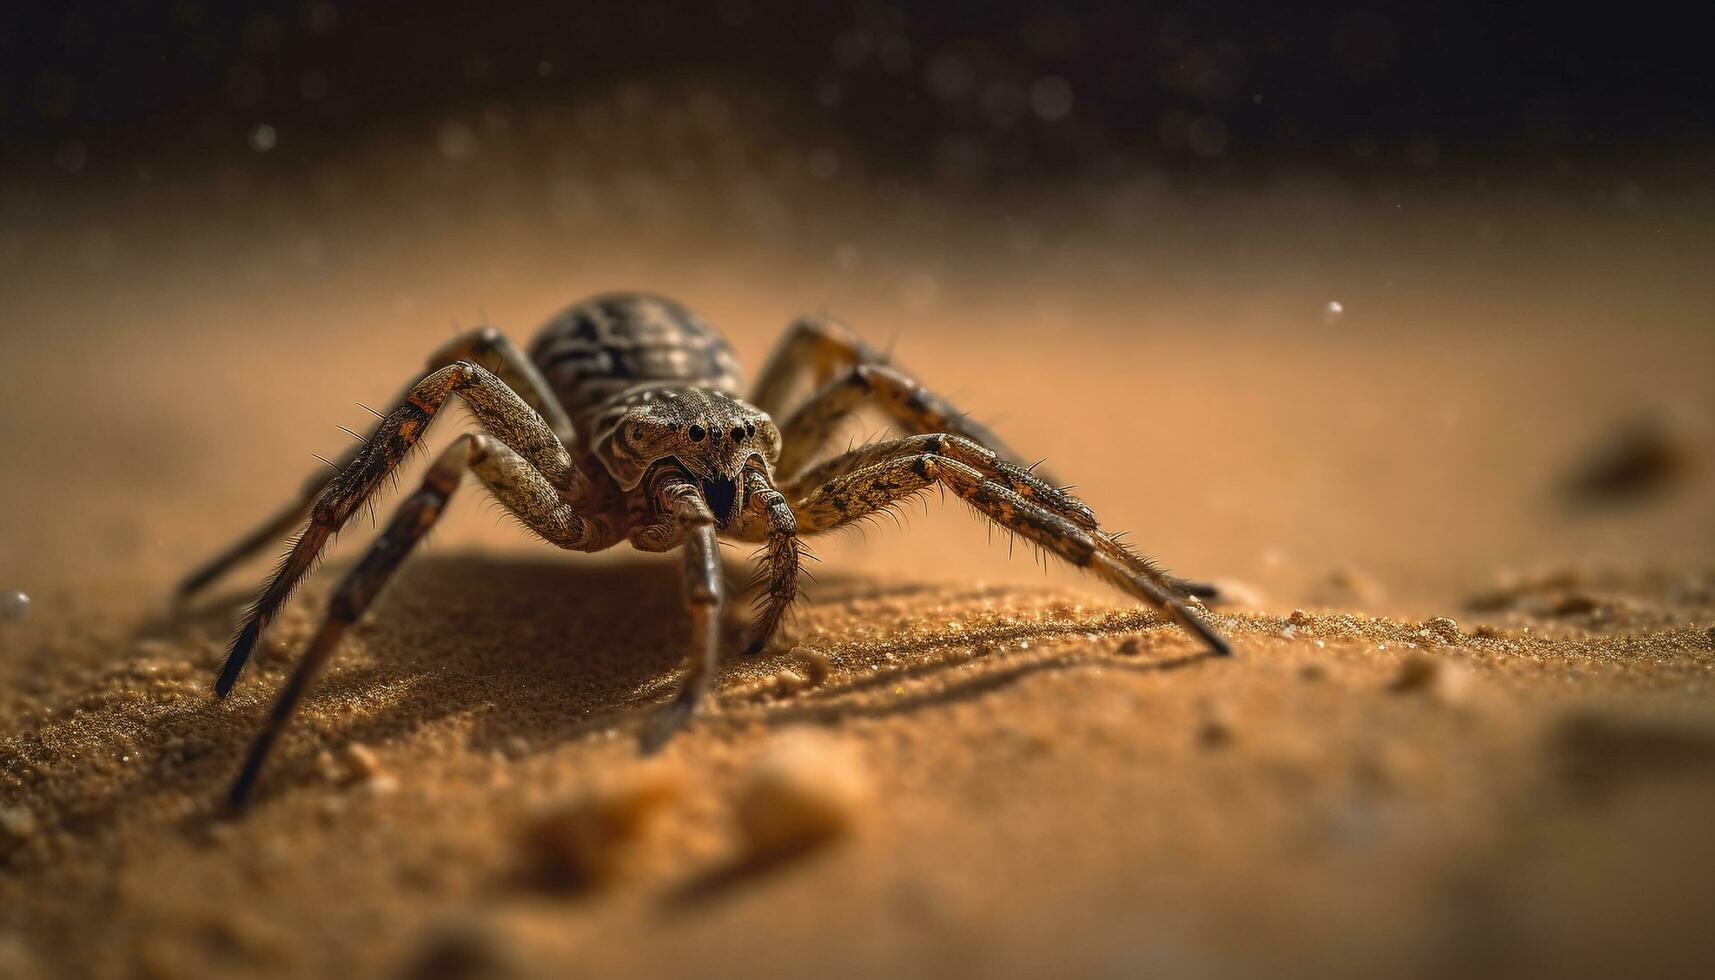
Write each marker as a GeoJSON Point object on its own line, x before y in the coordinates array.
{"type": "Point", "coordinates": [623, 423]}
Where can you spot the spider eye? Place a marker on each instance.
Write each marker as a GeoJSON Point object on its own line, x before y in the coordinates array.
{"type": "Point", "coordinates": [697, 433]}
{"type": "Point", "coordinates": [737, 433]}
{"type": "Point", "coordinates": [750, 428]}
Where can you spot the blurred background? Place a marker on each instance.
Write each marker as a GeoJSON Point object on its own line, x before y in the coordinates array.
{"type": "Point", "coordinates": [1370, 309]}
{"type": "Point", "coordinates": [1348, 290]}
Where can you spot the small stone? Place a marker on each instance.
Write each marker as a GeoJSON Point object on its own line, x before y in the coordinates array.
{"type": "Point", "coordinates": [358, 764]}
{"type": "Point", "coordinates": [1215, 729]}
{"type": "Point", "coordinates": [1576, 604]}
{"type": "Point", "coordinates": [1445, 628]}
{"type": "Point", "coordinates": [1636, 461]}
{"type": "Point", "coordinates": [1344, 586]}
{"type": "Point", "coordinates": [1446, 680]}
{"type": "Point", "coordinates": [1232, 592]}
{"type": "Point", "coordinates": [593, 840]}
{"type": "Point", "coordinates": [17, 828]}
{"type": "Point", "coordinates": [1130, 647]}
{"type": "Point", "coordinates": [1484, 631]}
{"type": "Point", "coordinates": [1298, 618]}
{"type": "Point", "coordinates": [1416, 672]}
{"type": "Point", "coordinates": [14, 607]}
{"type": "Point", "coordinates": [804, 791]}
{"type": "Point", "coordinates": [460, 951]}
{"type": "Point", "coordinates": [816, 665]}
{"type": "Point", "coordinates": [788, 681]}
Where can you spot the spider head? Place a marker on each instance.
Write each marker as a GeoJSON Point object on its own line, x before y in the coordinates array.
{"type": "Point", "coordinates": [710, 435]}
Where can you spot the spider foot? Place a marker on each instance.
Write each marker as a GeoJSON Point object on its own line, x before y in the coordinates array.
{"type": "Point", "coordinates": [663, 725]}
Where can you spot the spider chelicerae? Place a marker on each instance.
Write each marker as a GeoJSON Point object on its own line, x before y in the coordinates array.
{"type": "Point", "coordinates": [624, 423]}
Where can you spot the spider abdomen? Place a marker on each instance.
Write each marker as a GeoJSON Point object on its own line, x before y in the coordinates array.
{"type": "Point", "coordinates": [596, 352]}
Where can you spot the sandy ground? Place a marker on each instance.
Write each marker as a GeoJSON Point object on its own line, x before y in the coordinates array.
{"type": "Point", "coordinates": [1483, 743]}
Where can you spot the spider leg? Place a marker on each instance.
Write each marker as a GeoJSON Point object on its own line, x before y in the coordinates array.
{"type": "Point", "coordinates": [853, 495]}
{"type": "Point", "coordinates": [917, 409]}
{"type": "Point", "coordinates": [495, 406]}
{"type": "Point", "coordinates": [1024, 481]}
{"type": "Point", "coordinates": [819, 346]}
{"type": "Point", "coordinates": [771, 520]}
{"type": "Point", "coordinates": [512, 479]}
{"type": "Point", "coordinates": [485, 346]}
{"type": "Point", "coordinates": [829, 347]}
{"type": "Point", "coordinates": [690, 523]}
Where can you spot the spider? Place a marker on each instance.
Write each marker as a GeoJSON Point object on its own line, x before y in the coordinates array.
{"type": "Point", "coordinates": [624, 423]}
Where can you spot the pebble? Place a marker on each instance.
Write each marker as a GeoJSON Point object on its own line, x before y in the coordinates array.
{"type": "Point", "coordinates": [1215, 729]}
{"type": "Point", "coordinates": [17, 828]}
{"type": "Point", "coordinates": [593, 840]}
{"type": "Point", "coordinates": [804, 790]}
{"type": "Point", "coordinates": [360, 762]}
{"type": "Point", "coordinates": [1576, 604]}
{"type": "Point", "coordinates": [816, 665]}
{"type": "Point", "coordinates": [1446, 680]}
{"type": "Point", "coordinates": [460, 950]}
{"type": "Point", "coordinates": [1130, 647]}
{"type": "Point", "coordinates": [1444, 627]}
{"type": "Point", "coordinates": [14, 607]}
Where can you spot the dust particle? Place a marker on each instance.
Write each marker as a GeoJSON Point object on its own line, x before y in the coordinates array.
{"type": "Point", "coordinates": [803, 791]}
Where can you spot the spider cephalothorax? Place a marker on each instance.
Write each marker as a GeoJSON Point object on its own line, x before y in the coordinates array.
{"type": "Point", "coordinates": [709, 435]}
{"type": "Point", "coordinates": [624, 424]}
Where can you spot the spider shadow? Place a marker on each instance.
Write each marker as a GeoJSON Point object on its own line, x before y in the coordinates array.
{"type": "Point", "coordinates": [530, 652]}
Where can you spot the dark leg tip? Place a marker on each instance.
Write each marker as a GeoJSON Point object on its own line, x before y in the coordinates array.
{"type": "Point", "coordinates": [661, 728]}
{"type": "Point", "coordinates": [1198, 590]}
{"type": "Point", "coordinates": [238, 796]}
{"type": "Point", "coordinates": [236, 658]}
{"type": "Point", "coordinates": [191, 585]}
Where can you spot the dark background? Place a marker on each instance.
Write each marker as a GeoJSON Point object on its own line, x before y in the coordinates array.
{"type": "Point", "coordinates": [972, 92]}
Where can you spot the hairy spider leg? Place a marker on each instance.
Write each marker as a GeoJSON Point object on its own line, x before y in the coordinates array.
{"type": "Point", "coordinates": [485, 346]}
{"type": "Point", "coordinates": [770, 520]}
{"type": "Point", "coordinates": [686, 522]}
{"type": "Point", "coordinates": [513, 480]}
{"type": "Point", "coordinates": [908, 467]}
{"type": "Point", "coordinates": [824, 348]}
{"type": "Point", "coordinates": [495, 406]}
